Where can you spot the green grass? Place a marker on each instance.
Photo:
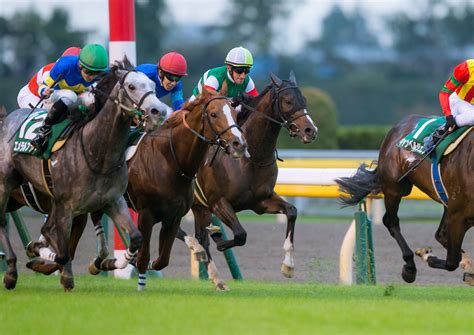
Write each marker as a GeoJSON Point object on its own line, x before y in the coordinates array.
{"type": "Point", "coordinates": [108, 306]}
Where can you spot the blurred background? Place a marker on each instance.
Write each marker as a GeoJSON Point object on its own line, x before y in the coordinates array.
{"type": "Point", "coordinates": [362, 64]}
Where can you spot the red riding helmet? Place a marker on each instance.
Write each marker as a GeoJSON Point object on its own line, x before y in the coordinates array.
{"type": "Point", "coordinates": [174, 63]}
{"type": "Point", "coordinates": [72, 51]}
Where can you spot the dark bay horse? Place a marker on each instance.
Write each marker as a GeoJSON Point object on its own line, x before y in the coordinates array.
{"type": "Point", "coordinates": [87, 174]}
{"type": "Point", "coordinates": [162, 172]}
{"type": "Point", "coordinates": [456, 171]}
{"type": "Point", "coordinates": [229, 186]}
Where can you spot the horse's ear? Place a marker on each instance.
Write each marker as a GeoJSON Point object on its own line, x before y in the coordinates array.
{"type": "Point", "coordinates": [205, 93]}
{"type": "Point", "coordinates": [3, 112]}
{"type": "Point", "coordinates": [292, 77]}
{"type": "Point", "coordinates": [277, 81]}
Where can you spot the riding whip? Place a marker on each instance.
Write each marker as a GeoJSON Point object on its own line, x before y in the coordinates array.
{"type": "Point", "coordinates": [433, 148]}
{"type": "Point", "coordinates": [36, 106]}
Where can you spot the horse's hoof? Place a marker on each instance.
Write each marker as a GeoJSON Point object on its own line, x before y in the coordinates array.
{"type": "Point", "coordinates": [93, 270]}
{"type": "Point", "coordinates": [30, 252]}
{"type": "Point", "coordinates": [422, 252]}
{"type": "Point", "coordinates": [408, 275]}
{"type": "Point", "coordinates": [468, 278]}
{"type": "Point", "coordinates": [287, 271]}
{"type": "Point", "coordinates": [9, 280]}
{"type": "Point", "coordinates": [41, 266]}
{"type": "Point", "coordinates": [222, 287]}
{"type": "Point", "coordinates": [67, 283]}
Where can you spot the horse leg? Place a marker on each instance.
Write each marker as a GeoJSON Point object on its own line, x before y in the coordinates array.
{"type": "Point", "coordinates": [193, 245]}
{"type": "Point", "coordinates": [202, 220]}
{"type": "Point", "coordinates": [48, 267]}
{"type": "Point", "coordinates": [56, 230]}
{"type": "Point", "coordinates": [276, 205]}
{"type": "Point", "coordinates": [11, 275]}
{"type": "Point", "coordinates": [168, 232]}
{"type": "Point", "coordinates": [224, 211]}
{"type": "Point", "coordinates": [103, 253]}
{"type": "Point", "coordinates": [145, 224]}
{"type": "Point", "coordinates": [455, 231]}
{"type": "Point", "coordinates": [392, 223]}
{"type": "Point", "coordinates": [118, 212]}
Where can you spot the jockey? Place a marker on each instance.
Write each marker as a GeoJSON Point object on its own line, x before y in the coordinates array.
{"type": "Point", "coordinates": [457, 101]}
{"type": "Point", "coordinates": [457, 96]}
{"type": "Point", "coordinates": [167, 75]}
{"type": "Point", "coordinates": [75, 75]}
{"type": "Point", "coordinates": [28, 97]}
{"type": "Point", "coordinates": [231, 79]}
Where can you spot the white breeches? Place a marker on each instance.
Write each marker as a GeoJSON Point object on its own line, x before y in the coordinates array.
{"type": "Point", "coordinates": [462, 110]}
{"type": "Point", "coordinates": [26, 98]}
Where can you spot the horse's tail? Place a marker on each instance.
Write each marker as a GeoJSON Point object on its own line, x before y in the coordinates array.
{"type": "Point", "coordinates": [360, 185]}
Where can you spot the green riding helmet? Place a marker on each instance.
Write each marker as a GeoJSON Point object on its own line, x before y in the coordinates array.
{"type": "Point", "coordinates": [94, 57]}
{"type": "Point", "coordinates": [239, 57]}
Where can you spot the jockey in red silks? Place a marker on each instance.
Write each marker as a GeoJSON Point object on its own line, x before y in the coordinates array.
{"type": "Point", "coordinates": [167, 76]}
{"type": "Point", "coordinates": [28, 97]}
{"type": "Point", "coordinates": [234, 75]}
{"type": "Point", "coordinates": [72, 77]}
{"type": "Point", "coordinates": [457, 96]}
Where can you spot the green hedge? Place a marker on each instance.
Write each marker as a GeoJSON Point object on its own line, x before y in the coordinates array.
{"type": "Point", "coordinates": [361, 137]}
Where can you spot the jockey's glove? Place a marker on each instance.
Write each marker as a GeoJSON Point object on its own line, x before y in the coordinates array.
{"type": "Point", "coordinates": [450, 122]}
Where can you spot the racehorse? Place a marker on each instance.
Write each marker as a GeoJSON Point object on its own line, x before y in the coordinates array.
{"type": "Point", "coordinates": [393, 163]}
{"type": "Point", "coordinates": [87, 174]}
{"type": "Point", "coordinates": [228, 186]}
{"type": "Point", "coordinates": [162, 171]}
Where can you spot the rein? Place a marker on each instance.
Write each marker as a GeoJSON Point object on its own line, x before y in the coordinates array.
{"type": "Point", "coordinates": [131, 112]}
{"type": "Point", "coordinates": [217, 140]}
{"type": "Point", "coordinates": [275, 100]}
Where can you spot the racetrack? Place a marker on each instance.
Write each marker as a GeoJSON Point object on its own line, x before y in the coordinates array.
{"type": "Point", "coordinates": [316, 252]}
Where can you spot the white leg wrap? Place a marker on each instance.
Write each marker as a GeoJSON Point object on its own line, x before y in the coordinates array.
{"type": "Point", "coordinates": [289, 248]}
{"type": "Point", "coordinates": [122, 263]}
{"type": "Point", "coordinates": [141, 282]}
{"type": "Point", "coordinates": [47, 253]}
{"type": "Point", "coordinates": [426, 255]}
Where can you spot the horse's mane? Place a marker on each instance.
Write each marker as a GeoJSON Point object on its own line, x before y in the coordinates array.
{"type": "Point", "coordinates": [105, 85]}
{"type": "Point", "coordinates": [244, 113]}
{"type": "Point", "coordinates": [176, 118]}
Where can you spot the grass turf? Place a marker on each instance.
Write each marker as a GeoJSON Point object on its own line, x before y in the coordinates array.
{"type": "Point", "coordinates": [101, 305]}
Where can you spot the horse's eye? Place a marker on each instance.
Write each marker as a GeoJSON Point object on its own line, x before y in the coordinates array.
{"type": "Point", "coordinates": [213, 115]}
{"type": "Point", "coordinates": [131, 87]}
{"type": "Point", "coordinates": [288, 101]}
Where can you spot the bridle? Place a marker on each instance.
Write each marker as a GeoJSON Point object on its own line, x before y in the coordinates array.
{"type": "Point", "coordinates": [215, 140]}
{"type": "Point", "coordinates": [134, 111]}
{"type": "Point", "coordinates": [287, 123]}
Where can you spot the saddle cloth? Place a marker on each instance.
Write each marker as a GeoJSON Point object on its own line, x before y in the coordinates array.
{"type": "Point", "coordinates": [414, 141]}
{"type": "Point", "coordinates": [28, 131]}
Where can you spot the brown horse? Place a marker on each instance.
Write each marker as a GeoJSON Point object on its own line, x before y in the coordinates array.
{"type": "Point", "coordinates": [162, 172]}
{"type": "Point", "coordinates": [87, 174]}
{"type": "Point", "coordinates": [228, 186]}
{"type": "Point", "coordinates": [393, 163]}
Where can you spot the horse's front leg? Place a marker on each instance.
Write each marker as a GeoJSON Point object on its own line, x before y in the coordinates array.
{"type": "Point", "coordinates": [11, 275]}
{"type": "Point", "coordinates": [168, 232]}
{"type": "Point", "coordinates": [118, 212]}
{"type": "Point", "coordinates": [392, 223]}
{"type": "Point", "coordinates": [224, 211]}
{"type": "Point", "coordinates": [145, 224]}
{"type": "Point", "coordinates": [56, 230]}
{"type": "Point", "coordinates": [276, 205]}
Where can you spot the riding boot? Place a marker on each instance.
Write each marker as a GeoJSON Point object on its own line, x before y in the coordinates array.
{"type": "Point", "coordinates": [57, 111]}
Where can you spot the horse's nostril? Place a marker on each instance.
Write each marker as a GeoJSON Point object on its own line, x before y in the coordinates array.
{"type": "Point", "coordinates": [236, 144]}
{"type": "Point", "coordinates": [154, 111]}
{"type": "Point", "coordinates": [309, 131]}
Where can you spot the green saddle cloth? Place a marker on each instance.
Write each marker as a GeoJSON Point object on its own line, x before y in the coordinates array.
{"type": "Point", "coordinates": [28, 131]}
{"type": "Point", "coordinates": [414, 141]}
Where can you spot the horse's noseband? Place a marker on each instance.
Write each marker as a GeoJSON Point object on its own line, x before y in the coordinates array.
{"type": "Point", "coordinates": [289, 124]}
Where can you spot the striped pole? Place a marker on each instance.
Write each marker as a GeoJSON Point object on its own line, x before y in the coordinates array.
{"type": "Point", "coordinates": [122, 43]}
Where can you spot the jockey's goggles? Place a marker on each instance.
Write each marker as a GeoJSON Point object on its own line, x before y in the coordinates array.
{"type": "Point", "coordinates": [240, 70]}
{"type": "Point", "coordinates": [172, 77]}
{"type": "Point", "coordinates": [91, 73]}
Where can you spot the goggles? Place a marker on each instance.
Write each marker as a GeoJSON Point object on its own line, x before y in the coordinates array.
{"type": "Point", "coordinates": [240, 70]}
{"type": "Point", "coordinates": [171, 77]}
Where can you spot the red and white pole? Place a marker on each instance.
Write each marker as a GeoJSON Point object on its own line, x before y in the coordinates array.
{"type": "Point", "coordinates": [122, 30]}
{"type": "Point", "coordinates": [122, 43]}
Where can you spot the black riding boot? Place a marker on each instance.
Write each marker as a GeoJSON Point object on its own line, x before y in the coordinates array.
{"type": "Point", "coordinates": [57, 111]}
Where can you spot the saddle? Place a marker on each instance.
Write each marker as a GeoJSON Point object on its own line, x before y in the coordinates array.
{"type": "Point", "coordinates": [60, 133]}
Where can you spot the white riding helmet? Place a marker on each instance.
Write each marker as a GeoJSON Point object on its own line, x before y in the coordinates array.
{"type": "Point", "coordinates": [239, 57]}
